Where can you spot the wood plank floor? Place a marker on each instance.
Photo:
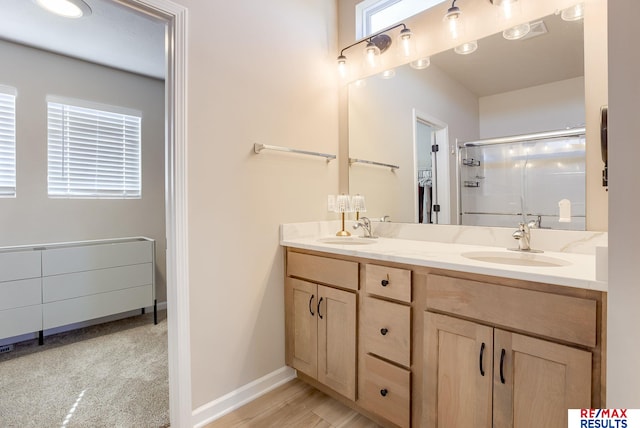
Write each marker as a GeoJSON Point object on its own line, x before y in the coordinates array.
{"type": "Point", "coordinates": [295, 405]}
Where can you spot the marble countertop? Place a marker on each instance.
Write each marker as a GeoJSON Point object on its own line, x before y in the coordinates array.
{"type": "Point", "coordinates": [579, 270]}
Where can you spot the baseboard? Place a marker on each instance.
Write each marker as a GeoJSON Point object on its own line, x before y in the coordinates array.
{"type": "Point", "coordinates": [216, 409]}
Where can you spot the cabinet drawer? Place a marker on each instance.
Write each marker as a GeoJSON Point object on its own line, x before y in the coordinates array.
{"type": "Point", "coordinates": [388, 282]}
{"type": "Point", "coordinates": [63, 312]}
{"type": "Point", "coordinates": [19, 265]}
{"type": "Point", "coordinates": [79, 258]}
{"type": "Point", "coordinates": [386, 390]}
{"type": "Point", "coordinates": [570, 319]}
{"type": "Point", "coordinates": [69, 286]}
{"type": "Point", "coordinates": [16, 294]}
{"type": "Point", "coordinates": [340, 273]}
{"type": "Point", "coordinates": [14, 322]}
{"type": "Point", "coordinates": [386, 330]}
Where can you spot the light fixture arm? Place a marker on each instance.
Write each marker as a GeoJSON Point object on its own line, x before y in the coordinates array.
{"type": "Point", "coordinates": [369, 39]}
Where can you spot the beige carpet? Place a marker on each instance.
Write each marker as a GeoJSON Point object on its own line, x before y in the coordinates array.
{"type": "Point", "coordinates": [110, 375]}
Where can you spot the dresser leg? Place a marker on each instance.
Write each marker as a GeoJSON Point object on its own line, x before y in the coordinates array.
{"type": "Point", "coordinates": [41, 337]}
{"type": "Point", "coordinates": [155, 311]}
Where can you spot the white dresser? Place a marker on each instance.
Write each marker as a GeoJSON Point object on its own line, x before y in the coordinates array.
{"type": "Point", "coordinates": [52, 285]}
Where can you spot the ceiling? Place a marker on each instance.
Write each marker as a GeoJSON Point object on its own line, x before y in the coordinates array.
{"type": "Point", "coordinates": [112, 35]}
{"type": "Point", "coordinates": [501, 65]}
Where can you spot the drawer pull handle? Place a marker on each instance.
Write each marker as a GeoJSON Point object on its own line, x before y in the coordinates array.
{"type": "Point", "coordinates": [385, 282]}
{"type": "Point", "coordinates": [384, 331]}
{"type": "Point", "coordinates": [384, 392]}
{"type": "Point", "coordinates": [502, 365]}
{"type": "Point", "coordinates": [311, 300]}
{"type": "Point", "coordinates": [319, 303]}
{"type": "Point", "coordinates": [481, 358]}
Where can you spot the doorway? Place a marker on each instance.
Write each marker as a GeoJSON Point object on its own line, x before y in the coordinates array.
{"type": "Point", "coordinates": [431, 170]}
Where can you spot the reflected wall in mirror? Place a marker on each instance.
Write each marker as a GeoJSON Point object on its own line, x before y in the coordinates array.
{"type": "Point", "coordinates": [505, 88]}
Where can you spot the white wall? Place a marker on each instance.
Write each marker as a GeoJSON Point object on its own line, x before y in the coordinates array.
{"type": "Point", "coordinates": [557, 105]}
{"type": "Point", "coordinates": [381, 126]}
{"type": "Point", "coordinates": [257, 72]}
{"type": "Point", "coordinates": [623, 369]}
{"type": "Point", "coordinates": [33, 218]}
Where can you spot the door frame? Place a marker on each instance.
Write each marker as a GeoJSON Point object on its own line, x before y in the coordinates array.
{"type": "Point", "coordinates": [442, 176]}
{"type": "Point", "coordinates": [178, 326]}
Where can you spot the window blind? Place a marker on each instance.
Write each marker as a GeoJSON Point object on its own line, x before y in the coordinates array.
{"type": "Point", "coordinates": [7, 144]}
{"type": "Point", "coordinates": [93, 153]}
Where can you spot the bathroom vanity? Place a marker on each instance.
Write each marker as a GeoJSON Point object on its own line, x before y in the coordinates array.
{"type": "Point", "coordinates": [426, 334]}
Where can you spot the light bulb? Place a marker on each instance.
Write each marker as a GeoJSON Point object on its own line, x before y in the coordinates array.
{"type": "Point", "coordinates": [388, 74]}
{"type": "Point", "coordinates": [517, 32]}
{"type": "Point", "coordinates": [508, 8]}
{"type": "Point", "coordinates": [66, 8]}
{"type": "Point", "coordinates": [372, 55]}
{"type": "Point", "coordinates": [573, 13]}
{"type": "Point", "coordinates": [455, 25]}
{"type": "Point", "coordinates": [342, 66]}
{"type": "Point", "coordinates": [420, 63]}
{"type": "Point", "coordinates": [406, 45]}
{"type": "Point", "coordinates": [466, 48]}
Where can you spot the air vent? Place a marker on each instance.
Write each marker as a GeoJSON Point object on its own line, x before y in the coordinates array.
{"type": "Point", "coordinates": [538, 28]}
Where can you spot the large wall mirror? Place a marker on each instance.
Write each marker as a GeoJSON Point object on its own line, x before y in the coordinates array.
{"type": "Point", "coordinates": [506, 88]}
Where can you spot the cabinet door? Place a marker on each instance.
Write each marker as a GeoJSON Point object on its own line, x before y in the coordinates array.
{"type": "Point", "coordinates": [536, 381]}
{"type": "Point", "coordinates": [337, 340]}
{"type": "Point", "coordinates": [457, 373]}
{"type": "Point", "coordinates": [304, 299]}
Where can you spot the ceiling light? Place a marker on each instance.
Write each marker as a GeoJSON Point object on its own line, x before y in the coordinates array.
{"type": "Point", "coordinates": [517, 32]}
{"type": "Point", "coordinates": [66, 8]}
{"type": "Point", "coordinates": [420, 63]}
{"type": "Point", "coordinates": [573, 13]}
{"type": "Point", "coordinates": [466, 48]}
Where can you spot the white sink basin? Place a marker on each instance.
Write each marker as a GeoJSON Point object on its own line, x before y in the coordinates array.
{"type": "Point", "coordinates": [347, 240]}
{"type": "Point", "coordinates": [515, 258]}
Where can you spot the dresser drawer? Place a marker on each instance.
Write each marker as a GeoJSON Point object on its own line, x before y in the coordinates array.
{"type": "Point", "coordinates": [386, 330]}
{"type": "Point", "coordinates": [341, 273]}
{"type": "Point", "coordinates": [19, 265]}
{"type": "Point", "coordinates": [16, 294]}
{"type": "Point", "coordinates": [386, 390]}
{"type": "Point", "coordinates": [388, 282]}
{"type": "Point", "coordinates": [570, 319]}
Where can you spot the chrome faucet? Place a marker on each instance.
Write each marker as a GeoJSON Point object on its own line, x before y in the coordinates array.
{"type": "Point", "coordinates": [523, 236]}
{"type": "Point", "coordinates": [365, 224]}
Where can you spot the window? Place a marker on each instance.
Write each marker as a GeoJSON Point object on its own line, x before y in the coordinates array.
{"type": "Point", "coordinates": [7, 141]}
{"type": "Point", "coordinates": [93, 153]}
{"type": "Point", "coordinates": [375, 15]}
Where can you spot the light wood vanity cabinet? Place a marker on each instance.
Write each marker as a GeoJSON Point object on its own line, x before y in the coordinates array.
{"type": "Point", "coordinates": [385, 343]}
{"type": "Point", "coordinates": [476, 374]}
{"type": "Point", "coordinates": [439, 348]}
{"type": "Point", "coordinates": [321, 321]}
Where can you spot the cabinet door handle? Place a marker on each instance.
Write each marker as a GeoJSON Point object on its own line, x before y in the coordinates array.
{"type": "Point", "coordinates": [311, 300]}
{"type": "Point", "coordinates": [319, 303]}
{"type": "Point", "coordinates": [384, 331]}
{"type": "Point", "coordinates": [502, 365]}
{"type": "Point", "coordinates": [384, 392]}
{"type": "Point", "coordinates": [384, 282]}
{"type": "Point", "coordinates": [482, 358]}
